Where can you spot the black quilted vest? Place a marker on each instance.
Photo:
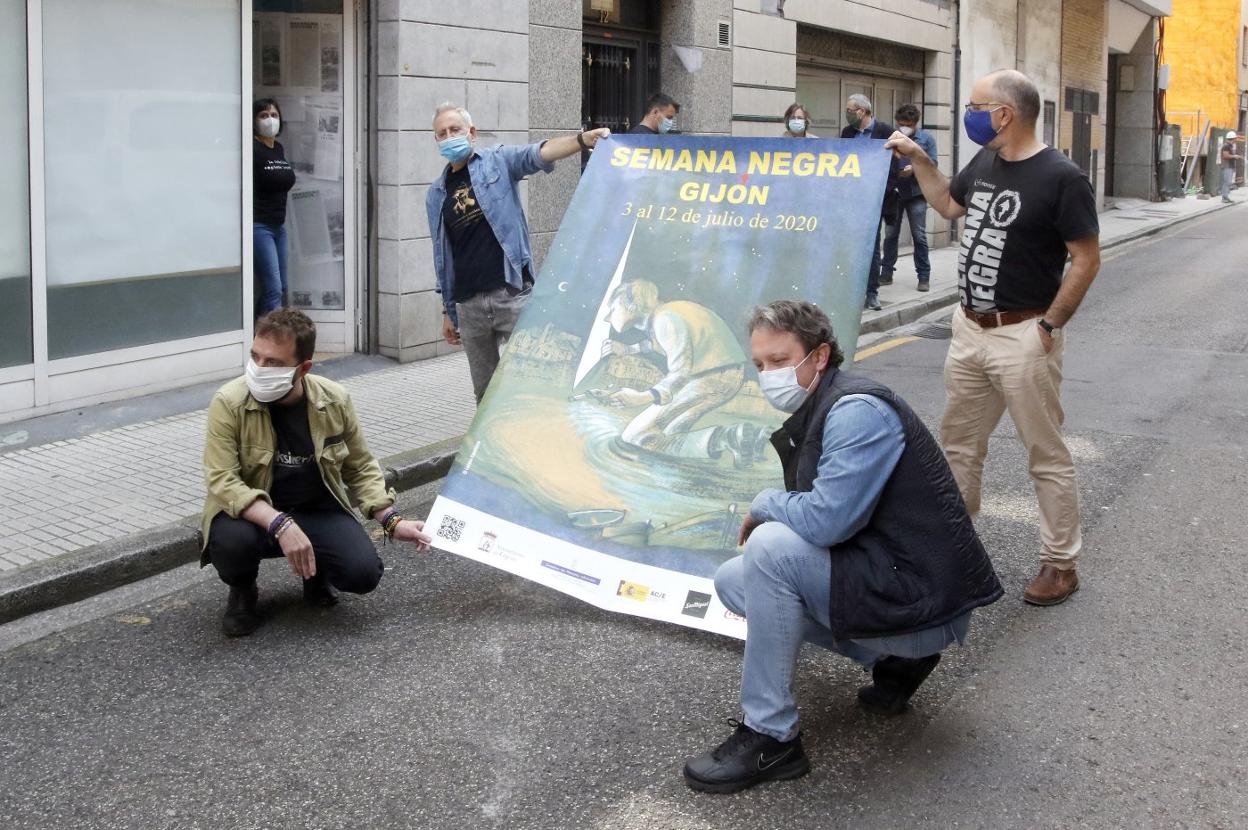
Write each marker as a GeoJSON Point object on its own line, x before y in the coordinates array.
{"type": "Point", "coordinates": [918, 562]}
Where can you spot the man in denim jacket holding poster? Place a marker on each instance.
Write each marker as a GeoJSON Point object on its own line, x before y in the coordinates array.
{"type": "Point", "coordinates": [480, 237]}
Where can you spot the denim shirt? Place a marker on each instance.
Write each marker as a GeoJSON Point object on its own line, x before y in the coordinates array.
{"type": "Point", "coordinates": [494, 172]}
{"type": "Point", "coordinates": [909, 187]}
{"type": "Point", "coordinates": [862, 441]}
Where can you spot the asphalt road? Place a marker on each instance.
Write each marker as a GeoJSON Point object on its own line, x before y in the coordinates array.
{"type": "Point", "coordinates": [457, 696]}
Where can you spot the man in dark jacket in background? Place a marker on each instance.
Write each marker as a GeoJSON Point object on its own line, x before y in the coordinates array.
{"type": "Point", "coordinates": [860, 122]}
{"type": "Point", "coordinates": [868, 551]}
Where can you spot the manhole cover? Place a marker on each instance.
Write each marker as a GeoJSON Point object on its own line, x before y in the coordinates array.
{"type": "Point", "coordinates": [934, 331]}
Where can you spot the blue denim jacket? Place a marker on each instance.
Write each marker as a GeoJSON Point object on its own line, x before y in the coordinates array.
{"type": "Point", "coordinates": [494, 172]}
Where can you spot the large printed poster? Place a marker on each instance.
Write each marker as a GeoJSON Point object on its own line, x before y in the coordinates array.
{"type": "Point", "coordinates": [624, 433]}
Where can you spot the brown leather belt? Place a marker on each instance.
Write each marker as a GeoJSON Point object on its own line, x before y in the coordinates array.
{"type": "Point", "coordinates": [992, 319]}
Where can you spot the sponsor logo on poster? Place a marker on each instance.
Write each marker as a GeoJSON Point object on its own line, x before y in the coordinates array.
{"type": "Point", "coordinates": [696, 604]}
{"type": "Point", "coordinates": [631, 590]}
{"type": "Point", "coordinates": [486, 545]}
{"type": "Point", "coordinates": [560, 569]}
{"type": "Point", "coordinates": [729, 615]}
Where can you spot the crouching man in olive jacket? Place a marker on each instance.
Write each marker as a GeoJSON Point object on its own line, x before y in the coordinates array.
{"type": "Point", "coordinates": [285, 461]}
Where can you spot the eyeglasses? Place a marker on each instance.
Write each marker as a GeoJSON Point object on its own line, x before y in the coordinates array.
{"type": "Point", "coordinates": [978, 105]}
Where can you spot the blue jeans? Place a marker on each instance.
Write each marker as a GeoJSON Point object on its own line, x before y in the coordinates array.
{"type": "Point", "coordinates": [269, 263]}
{"type": "Point", "coordinates": [782, 583]}
{"type": "Point", "coordinates": [873, 273]}
{"type": "Point", "coordinates": [1228, 178]}
{"type": "Point", "coordinates": [916, 215]}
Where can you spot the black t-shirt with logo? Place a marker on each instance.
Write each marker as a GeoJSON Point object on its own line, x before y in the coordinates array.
{"type": "Point", "coordinates": [297, 482]}
{"type": "Point", "coordinates": [1019, 217]}
{"type": "Point", "coordinates": [477, 256]}
{"type": "Point", "coordinates": [274, 178]}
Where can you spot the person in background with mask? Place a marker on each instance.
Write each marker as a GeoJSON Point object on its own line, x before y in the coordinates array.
{"type": "Point", "coordinates": [797, 122]}
{"type": "Point", "coordinates": [272, 179]}
{"type": "Point", "coordinates": [481, 253]}
{"type": "Point", "coordinates": [868, 551]}
{"type": "Point", "coordinates": [660, 115]}
{"type": "Point", "coordinates": [912, 204]}
{"type": "Point", "coordinates": [860, 122]}
{"type": "Point", "coordinates": [1027, 207]}
{"type": "Point", "coordinates": [284, 462]}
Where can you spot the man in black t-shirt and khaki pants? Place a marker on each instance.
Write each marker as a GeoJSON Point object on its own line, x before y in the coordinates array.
{"type": "Point", "coordinates": [1026, 206]}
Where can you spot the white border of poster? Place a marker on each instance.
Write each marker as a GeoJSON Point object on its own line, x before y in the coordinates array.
{"type": "Point", "coordinates": [607, 582]}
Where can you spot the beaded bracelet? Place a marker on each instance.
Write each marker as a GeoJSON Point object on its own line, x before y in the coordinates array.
{"type": "Point", "coordinates": [283, 527]}
{"type": "Point", "coordinates": [278, 520]}
{"type": "Point", "coordinates": [391, 523]}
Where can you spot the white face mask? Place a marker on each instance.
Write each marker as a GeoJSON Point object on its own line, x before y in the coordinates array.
{"type": "Point", "coordinates": [906, 130]}
{"type": "Point", "coordinates": [268, 126]}
{"type": "Point", "coordinates": [270, 383]}
{"type": "Point", "coordinates": [782, 389]}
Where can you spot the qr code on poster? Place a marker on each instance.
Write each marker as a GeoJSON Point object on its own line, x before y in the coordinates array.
{"type": "Point", "coordinates": [451, 528]}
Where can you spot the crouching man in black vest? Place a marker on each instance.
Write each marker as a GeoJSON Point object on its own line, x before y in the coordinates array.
{"type": "Point", "coordinates": [868, 552]}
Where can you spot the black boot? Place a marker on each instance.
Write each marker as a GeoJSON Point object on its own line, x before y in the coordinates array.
{"type": "Point", "coordinates": [745, 759]}
{"type": "Point", "coordinates": [896, 679]}
{"type": "Point", "coordinates": [240, 617]}
{"type": "Point", "coordinates": [317, 593]}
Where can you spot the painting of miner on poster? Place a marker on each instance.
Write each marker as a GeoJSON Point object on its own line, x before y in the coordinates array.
{"type": "Point", "coordinates": [624, 432]}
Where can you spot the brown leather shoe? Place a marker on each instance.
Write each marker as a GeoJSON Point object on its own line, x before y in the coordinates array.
{"type": "Point", "coordinates": [1051, 586]}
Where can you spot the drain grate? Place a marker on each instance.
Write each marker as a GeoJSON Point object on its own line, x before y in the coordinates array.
{"type": "Point", "coordinates": [933, 331]}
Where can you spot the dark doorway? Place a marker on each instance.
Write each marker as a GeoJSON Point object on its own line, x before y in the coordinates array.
{"type": "Point", "coordinates": [1082, 104]}
{"type": "Point", "coordinates": [619, 64]}
{"type": "Point", "coordinates": [1111, 120]}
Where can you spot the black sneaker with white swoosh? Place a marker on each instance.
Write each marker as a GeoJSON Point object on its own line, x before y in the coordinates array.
{"type": "Point", "coordinates": [745, 759]}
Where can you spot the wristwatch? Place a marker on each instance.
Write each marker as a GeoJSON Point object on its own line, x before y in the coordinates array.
{"type": "Point", "coordinates": [1047, 326]}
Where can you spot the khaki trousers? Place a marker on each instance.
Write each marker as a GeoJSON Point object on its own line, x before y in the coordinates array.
{"type": "Point", "coordinates": [990, 370]}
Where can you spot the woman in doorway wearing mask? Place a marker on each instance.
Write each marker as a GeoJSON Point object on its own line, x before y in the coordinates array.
{"type": "Point", "coordinates": [797, 122]}
{"type": "Point", "coordinates": [273, 179]}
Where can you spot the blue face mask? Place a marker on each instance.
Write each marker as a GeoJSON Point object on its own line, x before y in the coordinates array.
{"type": "Point", "coordinates": [667, 125]}
{"type": "Point", "coordinates": [978, 125]}
{"type": "Point", "coordinates": [797, 125]}
{"type": "Point", "coordinates": [455, 149]}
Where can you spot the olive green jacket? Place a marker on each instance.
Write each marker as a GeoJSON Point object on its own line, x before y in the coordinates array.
{"type": "Point", "coordinates": [241, 443]}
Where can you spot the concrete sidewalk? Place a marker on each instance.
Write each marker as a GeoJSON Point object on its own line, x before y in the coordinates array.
{"type": "Point", "coordinates": [87, 512]}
